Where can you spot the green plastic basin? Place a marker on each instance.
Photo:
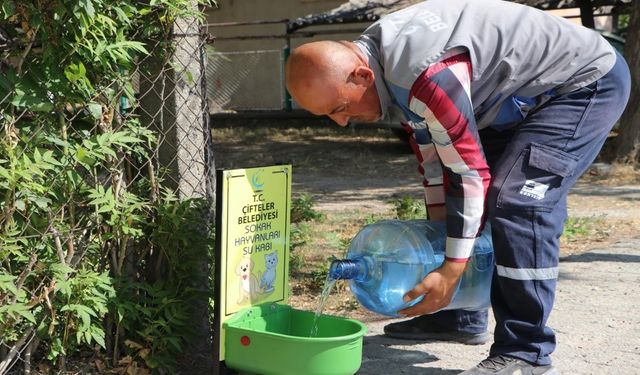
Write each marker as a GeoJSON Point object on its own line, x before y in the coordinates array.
{"type": "Point", "coordinates": [274, 340]}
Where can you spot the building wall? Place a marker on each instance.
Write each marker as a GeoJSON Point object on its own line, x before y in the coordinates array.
{"type": "Point", "coordinates": [261, 10]}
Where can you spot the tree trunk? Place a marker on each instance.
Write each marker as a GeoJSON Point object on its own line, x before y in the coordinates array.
{"type": "Point", "coordinates": [628, 141]}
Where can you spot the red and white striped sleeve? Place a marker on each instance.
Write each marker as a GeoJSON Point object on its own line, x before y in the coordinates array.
{"type": "Point", "coordinates": [429, 165]}
{"type": "Point", "coordinates": [441, 95]}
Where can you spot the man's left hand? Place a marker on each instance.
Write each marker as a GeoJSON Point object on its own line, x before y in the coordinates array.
{"type": "Point", "coordinates": [437, 287]}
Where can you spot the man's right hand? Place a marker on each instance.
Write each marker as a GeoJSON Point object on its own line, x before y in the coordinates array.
{"type": "Point", "coordinates": [437, 287]}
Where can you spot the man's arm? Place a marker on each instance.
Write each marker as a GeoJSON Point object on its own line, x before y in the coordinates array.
{"type": "Point", "coordinates": [430, 168]}
{"type": "Point", "coordinates": [442, 96]}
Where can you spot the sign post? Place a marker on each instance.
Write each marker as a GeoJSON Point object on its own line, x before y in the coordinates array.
{"type": "Point", "coordinates": [252, 242]}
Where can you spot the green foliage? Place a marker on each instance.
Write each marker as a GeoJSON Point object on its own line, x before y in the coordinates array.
{"type": "Point", "coordinates": [372, 218]}
{"type": "Point", "coordinates": [77, 312]}
{"type": "Point", "coordinates": [157, 320]}
{"type": "Point", "coordinates": [302, 209]}
{"type": "Point", "coordinates": [623, 22]}
{"type": "Point", "coordinates": [296, 262]}
{"type": "Point", "coordinates": [319, 275]}
{"type": "Point", "coordinates": [336, 241]}
{"type": "Point", "coordinates": [302, 212]}
{"type": "Point", "coordinates": [87, 235]}
{"type": "Point", "coordinates": [577, 228]}
{"type": "Point", "coordinates": [300, 234]}
{"type": "Point", "coordinates": [157, 313]}
{"type": "Point", "coordinates": [407, 208]}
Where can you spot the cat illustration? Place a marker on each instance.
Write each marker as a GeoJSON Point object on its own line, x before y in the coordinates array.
{"type": "Point", "coordinates": [269, 275]}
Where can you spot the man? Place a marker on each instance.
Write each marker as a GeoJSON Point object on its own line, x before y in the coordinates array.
{"type": "Point", "coordinates": [542, 93]}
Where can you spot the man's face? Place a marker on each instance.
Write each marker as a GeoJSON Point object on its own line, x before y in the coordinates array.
{"type": "Point", "coordinates": [354, 103]}
{"type": "Point", "coordinates": [355, 99]}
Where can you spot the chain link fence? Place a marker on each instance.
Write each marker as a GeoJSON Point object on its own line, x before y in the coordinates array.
{"type": "Point", "coordinates": [106, 202]}
{"type": "Point", "coordinates": [245, 80]}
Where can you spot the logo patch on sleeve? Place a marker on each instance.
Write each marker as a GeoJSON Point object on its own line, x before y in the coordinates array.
{"type": "Point", "coordinates": [534, 189]}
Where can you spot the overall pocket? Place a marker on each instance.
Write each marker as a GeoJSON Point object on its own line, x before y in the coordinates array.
{"type": "Point", "coordinates": [536, 179]}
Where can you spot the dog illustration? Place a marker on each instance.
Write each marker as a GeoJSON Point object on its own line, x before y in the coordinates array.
{"type": "Point", "coordinates": [248, 282]}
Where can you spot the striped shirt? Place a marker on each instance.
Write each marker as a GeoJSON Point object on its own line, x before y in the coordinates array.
{"type": "Point", "coordinates": [447, 146]}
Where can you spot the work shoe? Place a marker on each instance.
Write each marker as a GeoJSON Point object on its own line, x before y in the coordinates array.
{"type": "Point", "coordinates": [416, 329]}
{"type": "Point", "coordinates": [503, 365]}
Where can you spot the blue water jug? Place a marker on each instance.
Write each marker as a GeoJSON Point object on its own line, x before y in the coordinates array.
{"type": "Point", "coordinates": [388, 258]}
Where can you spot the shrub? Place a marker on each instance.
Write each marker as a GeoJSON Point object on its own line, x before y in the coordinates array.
{"type": "Point", "coordinates": [302, 209]}
{"type": "Point", "coordinates": [83, 219]}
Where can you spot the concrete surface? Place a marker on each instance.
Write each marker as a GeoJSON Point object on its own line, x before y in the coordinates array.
{"type": "Point", "coordinates": [596, 320]}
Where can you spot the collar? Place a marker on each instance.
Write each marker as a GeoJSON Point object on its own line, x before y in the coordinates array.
{"type": "Point", "coordinates": [371, 53]}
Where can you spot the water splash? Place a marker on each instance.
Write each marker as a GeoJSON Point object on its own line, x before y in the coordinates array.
{"type": "Point", "coordinates": [328, 285]}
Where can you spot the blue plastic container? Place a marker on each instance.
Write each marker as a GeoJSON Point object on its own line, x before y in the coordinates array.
{"type": "Point", "coordinates": [389, 258]}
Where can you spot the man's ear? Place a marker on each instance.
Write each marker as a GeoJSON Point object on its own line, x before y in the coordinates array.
{"type": "Point", "coordinates": [363, 75]}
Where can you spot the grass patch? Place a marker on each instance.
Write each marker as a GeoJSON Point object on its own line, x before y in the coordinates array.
{"type": "Point", "coordinates": [303, 214]}
{"type": "Point", "coordinates": [580, 232]}
{"type": "Point", "coordinates": [409, 208]}
{"type": "Point", "coordinates": [326, 240]}
{"type": "Point", "coordinates": [579, 228]}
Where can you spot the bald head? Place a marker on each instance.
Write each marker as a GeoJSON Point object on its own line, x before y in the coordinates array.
{"type": "Point", "coordinates": [321, 76]}
{"type": "Point", "coordinates": [318, 63]}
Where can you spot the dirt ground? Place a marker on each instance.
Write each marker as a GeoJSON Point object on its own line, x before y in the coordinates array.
{"type": "Point", "coordinates": [355, 172]}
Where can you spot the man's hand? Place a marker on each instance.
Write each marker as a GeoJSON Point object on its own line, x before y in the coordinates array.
{"type": "Point", "coordinates": [438, 287]}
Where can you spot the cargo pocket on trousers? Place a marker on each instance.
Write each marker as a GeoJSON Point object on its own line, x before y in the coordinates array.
{"type": "Point", "coordinates": [536, 179]}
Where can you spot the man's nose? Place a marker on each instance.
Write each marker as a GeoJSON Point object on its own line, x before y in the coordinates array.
{"type": "Point", "coordinates": [342, 120]}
